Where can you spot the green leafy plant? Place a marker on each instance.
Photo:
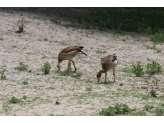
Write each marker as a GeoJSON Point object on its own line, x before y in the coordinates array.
{"type": "Point", "coordinates": [56, 20]}
{"type": "Point", "coordinates": [45, 39]}
{"type": "Point", "coordinates": [3, 77]}
{"type": "Point", "coordinates": [153, 47]}
{"type": "Point", "coordinates": [76, 75]}
{"type": "Point", "coordinates": [89, 89]}
{"type": "Point", "coordinates": [24, 97]}
{"type": "Point", "coordinates": [158, 51]}
{"type": "Point", "coordinates": [118, 109]}
{"type": "Point", "coordinates": [148, 107]}
{"type": "Point", "coordinates": [15, 100]}
{"type": "Point", "coordinates": [25, 82]}
{"type": "Point", "coordinates": [21, 67]}
{"type": "Point", "coordinates": [158, 37]}
{"type": "Point", "coordinates": [139, 113]}
{"type": "Point", "coordinates": [46, 68]}
{"type": "Point", "coordinates": [21, 25]}
{"type": "Point", "coordinates": [68, 72]}
{"type": "Point", "coordinates": [155, 81]}
{"type": "Point", "coordinates": [159, 111]}
{"type": "Point", "coordinates": [153, 68]}
{"type": "Point", "coordinates": [6, 106]}
{"type": "Point", "coordinates": [110, 111]}
{"type": "Point", "coordinates": [153, 93]}
{"type": "Point", "coordinates": [137, 69]}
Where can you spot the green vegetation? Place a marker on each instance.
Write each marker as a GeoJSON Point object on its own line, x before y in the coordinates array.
{"type": "Point", "coordinates": [89, 89]}
{"type": "Point", "coordinates": [153, 47]}
{"type": "Point", "coordinates": [25, 83]}
{"type": "Point", "coordinates": [139, 113]}
{"type": "Point", "coordinates": [24, 97]}
{"type": "Point", "coordinates": [45, 39]}
{"type": "Point", "coordinates": [21, 67]}
{"type": "Point", "coordinates": [98, 51]}
{"type": "Point", "coordinates": [15, 100]}
{"type": "Point", "coordinates": [155, 81]}
{"type": "Point", "coordinates": [68, 72]}
{"type": "Point", "coordinates": [46, 68]}
{"type": "Point", "coordinates": [118, 109]}
{"type": "Point", "coordinates": [21, 25]}
{"type": "Point", "coordinates": [3, 77]}
{"type": "Point", "coordinates": [158, 37]}
{"type": "Point", "coordinates": [6, 106]}
{"type": "Point", "coordinates": [159, 111]}
{"type": "Point", "coordinates": [126, 19]}
{"type": "Point", "coordinates": [119, 19]}
{"type": "Point", "coordinates": [148, 107]}
{"type": "Point", "coordinates": [153, 93]}
{"type": "Point", "coordinates": [153, 68]}
{"type": "Point", "coordinates": [1, 38]}
{"type": "Point", "coordinates": [137, 69]}
{"type": "Point", "coordinates": [56, 20]}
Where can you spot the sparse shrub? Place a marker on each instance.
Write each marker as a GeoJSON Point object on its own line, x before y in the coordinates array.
{"type": "Point", "coordinates": [155, 81]}
{"type": "Point", "coordinates": [15, 100]}
{"type": "Point", "coordinates": [3, 77]}
{"type": "Point", "coordinates": [139, 113]}
{"type": "Point", "coordinates": [25, 82]}
{"type": "Point", "coordinates": [89, 89]}
{"type": "Point", "coordinates": [21, 67]}
{"type": "Point", "coordinates": [158, 37]}
{"type": "Point", "coordinates": [1, 38]}
{"type": "Point", "coordinates": [153, 47]}
{"type": "Point", "coordinates": [148, 107]}
{"type": "Point", "coordinates": [21, 25]}
{"type": "Point", "coordinates": [118, 109]}
{"type": "Point", "coordinates": [110, 111]}
{"type": "Point", "coordinates": [56, 20]}
{"type": "Point", "coordinates": [158, 51]}
{"type": "Point", "coordinates": [76, 75]}
{"type": "Point", "coordinates": [159, 111]}
{"type": "Point", "coordinates": [153, 93]}
{"type": "Point", "coordinates": [137, 69]}
{"type": "Point", "coordinates": [45, 39]}
{"type": "Point", "coordinates": [24, 97]}
{"type": "Point", "coordinates": [46, 68]}
{"type": "Point", "coordinates": [122, 109]}
{"type": "Point", "coordinates": [153, 68]}
{"type": "Point", "coordinates": [68, 72]}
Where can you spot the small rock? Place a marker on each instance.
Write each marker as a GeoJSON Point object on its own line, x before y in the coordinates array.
{"type": "Point", "coordinates": [146, 81]}
{"type": "Point", "coordinates": [57, 103]}
{"type": "Point", "coordinates": [30, 71]}
{"type": "Point", "coordinates": [121, 84]}
{"type": "Point", "coordinates": [144, 87]}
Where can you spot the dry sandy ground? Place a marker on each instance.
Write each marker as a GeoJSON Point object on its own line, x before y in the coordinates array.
{"type": "Point", "coordinates": [73, 94]}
